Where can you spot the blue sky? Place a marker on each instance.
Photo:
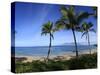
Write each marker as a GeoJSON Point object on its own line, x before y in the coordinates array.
{"type": "Point", "coordinates": [29, 18]}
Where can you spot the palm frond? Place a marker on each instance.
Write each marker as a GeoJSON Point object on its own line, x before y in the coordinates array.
{"type": "Point", "coordinates": [43, 33]}
{"type": "Point", "coordinates": [64, 10]}
{"type": "Point", "coordinates": [51, 25]}
{"type": "Point", "coordinates": [84, 26]}
{"type": "Point", "coordinates": [60, 25]}
{"type": "Point", "coordinates": [87, 26]}
{"type": "Point", "coordinates": [92, 30]}
{"type": "Point", "coordinates": [68, 14]}
{"type": "Point", "coordinates": [71, 8]}
{"type": "Point", "coordinates": [95, 11]}
{"type": "Point", "coordinates": [72, 15]}
{"type": "Point", "coordinates": [94, 8]}
{"type": "Point", "coordinates": [64, 18]}
{"type": "Point", "coordinates": [82, 16]}
{"type": "Point", "coordinates": [90, 25]}
{"type": "Point", "coordinates": [47, 27]}
{"type": "Point", "coordinates": [84, 33]}
{"type": "Point", "coordinates": [79, 29]}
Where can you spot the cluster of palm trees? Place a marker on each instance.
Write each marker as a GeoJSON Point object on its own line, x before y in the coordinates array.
{"type": "Point", "coordinates": [70, 20]}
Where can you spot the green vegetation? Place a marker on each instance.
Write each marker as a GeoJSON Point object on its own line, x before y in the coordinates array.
{"type": "Point", "coordinates": [83, 62]}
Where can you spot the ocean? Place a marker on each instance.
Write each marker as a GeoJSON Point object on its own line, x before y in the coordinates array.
{"type": "Point", "coordinates": [55, 50]}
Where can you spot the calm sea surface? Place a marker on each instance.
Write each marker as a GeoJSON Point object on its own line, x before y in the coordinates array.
{"type": "Point", "coordinates": [42, 50]}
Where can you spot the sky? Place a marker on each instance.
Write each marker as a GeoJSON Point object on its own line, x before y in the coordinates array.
{"type": "Point", "coordinates": [29, 18]}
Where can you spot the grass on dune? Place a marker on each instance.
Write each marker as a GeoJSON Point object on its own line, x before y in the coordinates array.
{"type": "Point", "coordinates": [83, 62]}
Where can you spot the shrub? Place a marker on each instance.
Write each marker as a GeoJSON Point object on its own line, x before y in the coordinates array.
{"type": "Point", "coordinates": [83, 62]}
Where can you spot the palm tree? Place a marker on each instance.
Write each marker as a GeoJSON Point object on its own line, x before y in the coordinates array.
{"type": "Point", "coordinates": [94, 12]}
{"type": "Point", "coordinates": [70, 20]}
{"type": "Point", "coordinates": [86, 28]}
{"type": "Point", "coordinates": [48, 29]}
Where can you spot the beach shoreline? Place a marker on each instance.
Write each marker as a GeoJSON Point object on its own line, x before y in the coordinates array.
{"type": "Point", "coordinates": [63, 56]}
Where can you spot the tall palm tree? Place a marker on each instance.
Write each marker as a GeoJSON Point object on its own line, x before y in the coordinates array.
{"type": "Point", "coordinates": [86, 28]}
{"type": "Point", "coordinates": [48, 29]}
{"type": "Point", "coordinates": [70, 20]}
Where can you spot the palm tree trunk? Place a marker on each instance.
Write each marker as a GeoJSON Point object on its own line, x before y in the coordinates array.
{"type": "Point", "coordinates": [49, 48]}
{"type": "Point", "coordinates": [75, 43]}
{"type": "Point", "coordinates": [89, 43]}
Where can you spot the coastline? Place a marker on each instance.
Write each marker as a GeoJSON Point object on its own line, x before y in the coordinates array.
{"type": "Point", "coordinates": [62, 56]}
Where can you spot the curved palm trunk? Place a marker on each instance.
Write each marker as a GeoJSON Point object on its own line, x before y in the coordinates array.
{"type": "Point", "coordinates": [89, 43]}
{"type": "Point", "coordinates": [75, 43]}
{"type": "Point", "coordinates": [49, 48]}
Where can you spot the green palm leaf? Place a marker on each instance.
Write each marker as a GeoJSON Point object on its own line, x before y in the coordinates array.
{"type": "Point", "coordinates": [82, 16]}
{"type": "Point", "coordinates": [64, 11]}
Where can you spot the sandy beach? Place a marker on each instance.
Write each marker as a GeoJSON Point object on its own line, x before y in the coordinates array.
{"type": "Point", "coordinates": [63, 56]}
